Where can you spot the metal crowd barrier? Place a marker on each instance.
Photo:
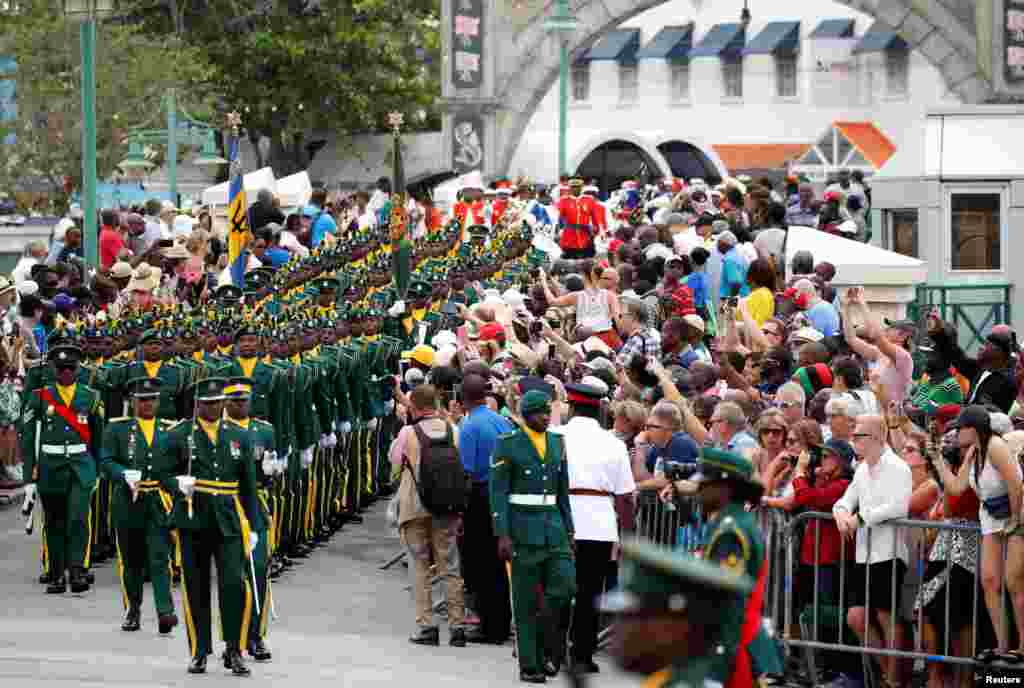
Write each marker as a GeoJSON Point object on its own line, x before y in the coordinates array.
{"type": "Point", "coordinates": [814, 639]}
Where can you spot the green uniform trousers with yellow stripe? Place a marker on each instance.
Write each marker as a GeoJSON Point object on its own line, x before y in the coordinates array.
{"type": "Point", "coordinates": [234, 590]}
{"type": "Point", "coordinates": [139, 548]}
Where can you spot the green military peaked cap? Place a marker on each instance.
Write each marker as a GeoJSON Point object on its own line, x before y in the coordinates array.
{"type": "Point", "coordinates": [718, 464]}
{"type": "Point", "coordinates": [66, 354]}
{"type": "Point", "coordinates": [535, 401]}
{"type": "Point", "coordinates": [145, 387]}
{"type": "Point", "coordinates": [210, 389]}
{"type": "Point", "coordinates": [654, 578]}
{"type": "Point", "coordinates": [148, 336]}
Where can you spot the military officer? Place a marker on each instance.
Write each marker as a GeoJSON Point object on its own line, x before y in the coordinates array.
{"type": "Point", "coordinates": [669, 619]}
{"type": "Point", "coordinates": [238, 394]}
{"type": "Point", "coordinates": [140, 506]}
{"type": "Point", "coordinates": [248, 362]}
{"type": "Point", "coordinates": [153, 365]}
{"type": "Point", "coordinates": [529, 492]}
{"type": "Point", "coordinates": [206, 464]}
{"type": "Point", "coordinates": [61, 428]}
{"type": "Point", "coordinates": [726, 484]}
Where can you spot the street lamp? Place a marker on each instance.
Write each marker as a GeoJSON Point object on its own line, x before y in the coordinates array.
{"type": "Point", "coordinates": [562, 24]}
{"type": "Point", "coordinates": [181, 128]}
{"type": "Point", "coordinates": [85, 12]}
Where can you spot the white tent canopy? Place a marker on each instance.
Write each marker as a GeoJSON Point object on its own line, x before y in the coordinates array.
{"type": "Point", "coordinates": [856, 263]}
{"type": "Point", "coordinates": [295, 190]}
{"type": "Point", "coordinates": [253, 182]}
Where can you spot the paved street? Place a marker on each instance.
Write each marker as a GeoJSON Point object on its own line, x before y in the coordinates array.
{"type": "Point", "coordinates": [342, 622]}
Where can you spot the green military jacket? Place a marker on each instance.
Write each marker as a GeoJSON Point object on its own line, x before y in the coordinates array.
{"type": "Point", "coordinates": [517, 469]}
{"type": "Point", "coordinates": [44, 430]}
{"type": "Point", "coordinates": [735, 542]}
{"type": "Point", "coordinates": [261, 436]}
{"type": "Point", "coordinates": [227, 461]}
{"type": "Point", "coordinates": [125, 448]}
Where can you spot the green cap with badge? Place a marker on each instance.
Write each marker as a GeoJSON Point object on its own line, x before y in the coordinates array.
{"type": "Point", "coordinates": [145, 387]}
{"type": "Point", "coordinates": [654, 578]}
{"type": "Point", "coordinates": [720, 465]}
{"type": "Point", "coordinates": [534, 401]}
{"type": "Point", "coordinates": [210, 389]}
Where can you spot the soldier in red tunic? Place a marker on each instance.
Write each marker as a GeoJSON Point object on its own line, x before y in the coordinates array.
{"type": "Point", "coordinates": [577, 218]}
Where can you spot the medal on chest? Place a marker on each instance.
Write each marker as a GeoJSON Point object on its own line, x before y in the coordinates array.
{"type": "Point", "coordinates": [236, 450]}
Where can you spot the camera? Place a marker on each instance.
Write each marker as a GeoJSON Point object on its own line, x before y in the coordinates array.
{"type": "Point", "coordinates": [675, 471]}
{"type": "Point", "coordinates": [536, 328]}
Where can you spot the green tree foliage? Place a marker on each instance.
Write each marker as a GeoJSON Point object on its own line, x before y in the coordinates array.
{"type": "Point", "coordinates": [300, 70]}
{"type": "Point", "coordinates": [133, 71]}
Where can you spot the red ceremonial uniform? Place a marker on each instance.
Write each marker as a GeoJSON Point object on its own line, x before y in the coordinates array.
{"type": "Point", "coordinates": [498, 208]}
{"type": "Point", "coordinates": [579, 220]}
{"type": "Point", "coordinates": [469, 214]}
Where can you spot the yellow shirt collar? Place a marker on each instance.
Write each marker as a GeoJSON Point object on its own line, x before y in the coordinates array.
{"type": "Point", "coordinates": [540, 441]}
{"type": "Point", "coordinates": [152, 368]}
{"type": "Point", "coordinates": [67, 394]}
{"type": "Point", "coordinates": [211, 429]}
{"type": "Point", "coordinates": [248, 365]}
{"type": "Point", "coordinates": [148, 428]}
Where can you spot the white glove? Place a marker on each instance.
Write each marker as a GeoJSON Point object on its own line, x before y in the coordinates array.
{"type": "Point", "coordinates": [324, 439]}
{"type": "Point", "coordinates": [346, 427]}
{"type": "Point", "coordinates": [186, 490]}
{"type": "Point", "coordinates": [30, 492]}
{"type": "Point", "coordinates": [372, 424]}
{"type": "Point", "coordinates": [334, 439]}
{"type": "Point", "coordinates": [268, 464]}
{"type": "Point", "coordinates": [307, 457]}
{"type": "Point", "coordinates": [397, 309]}
{"type": "Point", "coordinates": [279, 466]}
{"type": "Point", "coordinates": [254, 540]}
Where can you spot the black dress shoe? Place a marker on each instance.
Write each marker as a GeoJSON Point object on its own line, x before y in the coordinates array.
{"type": "Point", "coordinates": [551, 668]}
{"type": "Point", "coordinates": [57, 586]}
{"type": "Point", "coordinates": [166, 623]}
{"type": "Point", "coordinates": [457, 637]}
{"type": "Point", "coordinates": [258, 651]}
{"type": "Point", "coordinates": [79, 581]}
{"type": "Point", "coordinates": [355, 518]}
{"type": "Point", "coordinates": [527, 676]}
{"type": "Point", "coordinates": [132, 620]}
{"type": "Point", "coordinates": [233, 661]}
{"type": "Point", "coordinates": [479, 637]}
{"type": "Point", "coordinates": [197, 665]}
{"type": "Point", "coordinates": [44, 579]}
{"type": "Point", "coordinates": [90, 578]}
{"type": "Point", "coordinates": [427, 636]}
{"type": "Point", "coordinates": [586, 666]}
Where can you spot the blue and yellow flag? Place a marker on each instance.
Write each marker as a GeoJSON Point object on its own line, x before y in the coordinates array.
{"type": "Point", "coordinates": [238, 219]}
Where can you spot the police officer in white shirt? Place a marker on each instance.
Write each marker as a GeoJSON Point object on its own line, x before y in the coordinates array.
{"type": "Point", "coordinates": [601, 491]}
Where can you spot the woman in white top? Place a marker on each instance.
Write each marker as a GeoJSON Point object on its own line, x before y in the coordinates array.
{"type": "Point", "coordinates": [995, 476]}
{"type": "Point", "coordinates": [597, 309]}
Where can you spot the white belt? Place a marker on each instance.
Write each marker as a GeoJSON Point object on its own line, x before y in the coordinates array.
{"type": "Point", "coordinates": [532, 500]}
{"type": "Point", "coordinates": [63, 449]}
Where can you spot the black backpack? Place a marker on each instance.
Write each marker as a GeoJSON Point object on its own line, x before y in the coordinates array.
{"type": "Point", "coordinates": [443, 486]}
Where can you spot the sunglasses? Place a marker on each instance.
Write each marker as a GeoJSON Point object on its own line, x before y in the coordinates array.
{"type": "Point", "coordinates": [863, 436]}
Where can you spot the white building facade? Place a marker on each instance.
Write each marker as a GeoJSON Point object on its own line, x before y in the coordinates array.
{"type": "Point", "coordinates": [707, 92]}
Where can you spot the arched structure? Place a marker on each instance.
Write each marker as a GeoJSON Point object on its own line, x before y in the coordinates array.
{"type": "Point", "coordinates": [687, 160]}
{"type": "Point", "coordinates": [617, 160]}
{"type": "Point", "coordinates": [521, 59]}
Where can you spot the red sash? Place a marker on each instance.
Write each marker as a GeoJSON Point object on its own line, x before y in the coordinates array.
{"type": "Point", "coordinates": [67, 413]}
{"type": "Point", "coordinates": [743, 671]}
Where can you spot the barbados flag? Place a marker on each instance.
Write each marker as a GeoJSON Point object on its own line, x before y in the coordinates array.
{"type": "Point", "coordinates": [238, 219]}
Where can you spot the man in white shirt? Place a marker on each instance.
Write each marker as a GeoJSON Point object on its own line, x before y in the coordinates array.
{"type": "Point", "coordinates": [601, 491]}
{"type": "Point", "coordinates": [880, 492]}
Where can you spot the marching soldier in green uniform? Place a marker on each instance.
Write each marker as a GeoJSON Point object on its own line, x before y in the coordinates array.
{"type": "Point", "coordinates": [207, 465]}
{"type": "Point", "coordinates": [261, 435]}
{"type": "Point", "coordinates": [153, 365]}
{"type": "Point", "coordinates": [61, 434]}
{"type": "Point", "coordinates": [669, 614]}
{"type": "Point", "coordinates": [140, 505]}
{"type": "Point", "coordinates": [726, 484]}
{"type": "Point", "coordinates": [248, 362]}
{"type": "Point", "coordinates": [529, 490]}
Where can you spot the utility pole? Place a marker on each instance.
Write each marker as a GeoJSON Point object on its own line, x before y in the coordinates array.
{"type": "Point", "coordinates": [561, 24]}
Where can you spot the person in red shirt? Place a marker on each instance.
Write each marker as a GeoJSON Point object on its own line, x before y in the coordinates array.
{"type": "Point", "coordinates": [819, 492]}
{"type": "Point", "coordinates": [579, 222]}
{"type": "Point", "coordinates": [111, 239]}
{"type": "Point", "coordinates": [600, 211]}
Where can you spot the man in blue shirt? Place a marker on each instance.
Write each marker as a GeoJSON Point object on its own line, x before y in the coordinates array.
{"type": "Point", "coordinates": [322, 222]}
{"type": "Point", "coordinates": [734, 268]}
{"type": "Point", "coordinates": [823, 315]}
{"type": "Point", "coordinates": [277, 255]}
{"type": "Point", "coordinates": [484, 572]}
